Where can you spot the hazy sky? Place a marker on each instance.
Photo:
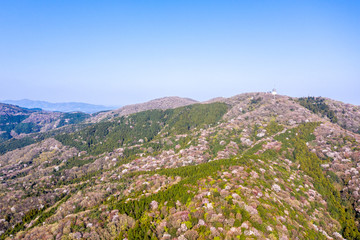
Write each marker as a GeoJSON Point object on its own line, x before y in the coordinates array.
{"type": "Point", "coordinates": [121, 52]}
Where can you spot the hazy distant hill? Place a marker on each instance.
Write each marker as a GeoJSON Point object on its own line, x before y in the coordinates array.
{"type": "Point", "coordinates": [60, 107]}
{"type": "Point", "coordinates": [159, 103]}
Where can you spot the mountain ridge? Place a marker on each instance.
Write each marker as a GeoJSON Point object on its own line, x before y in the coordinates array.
{"type": "Point", "coordinates": [59, 107]}
{"type": "Point", "coordinates": [158, 103]}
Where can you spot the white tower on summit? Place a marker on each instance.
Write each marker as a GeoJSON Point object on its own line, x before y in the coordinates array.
{"type": "Point", "coordinates": [273, 92]}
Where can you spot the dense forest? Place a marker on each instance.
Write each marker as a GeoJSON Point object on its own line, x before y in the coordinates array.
{"type": "Point", "coordinates": [143, 127]}
{"type": "Point", "coordinates": [318, 105]}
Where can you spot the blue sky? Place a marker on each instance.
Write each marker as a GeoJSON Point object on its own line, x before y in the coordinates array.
{"type": "Point", "coordinates": [123, 52]}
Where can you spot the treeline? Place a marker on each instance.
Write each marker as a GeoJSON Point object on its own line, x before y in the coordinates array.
{"type": "Point", "coordinates": [72, 118]}
{"type": "Point", "coordinates": [13, 144]}
{"type": "Point", "coordinates": [9, 123]}
{"type": "Point", "coordinates": [30, 215]}
{"type": "Point", "coordinates": [106, 136]}
{"type": "Point", "coordinates": [33, 214]}
{"type": "Point", "coordinates": [338, 208]}
{"type": "Point", "coordinates": [40, 215]}
{"type": "Point", "coordinates": [32, 138]}
{"type": "Point", "coordinates": [142, 127]}
{"type": "Point", "coordinates": [318, 105]}
{"type": "Point", "coordinates": [183, 119]}
{"type": "Point", "coordinates": [183, 191]}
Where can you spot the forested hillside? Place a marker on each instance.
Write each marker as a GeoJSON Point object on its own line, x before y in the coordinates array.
{"type": "Point", "coordinates": [246, 167]}
{"type": "Point", "coordinates": [17, 122]}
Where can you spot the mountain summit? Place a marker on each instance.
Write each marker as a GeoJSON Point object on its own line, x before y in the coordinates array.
{"type": "Point", "coordinates": [159, 103]}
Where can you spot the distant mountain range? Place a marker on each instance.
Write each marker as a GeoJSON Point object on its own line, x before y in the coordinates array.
{"type": "Point", "coordinates": [60, 107]}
